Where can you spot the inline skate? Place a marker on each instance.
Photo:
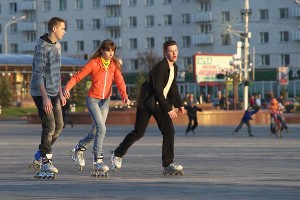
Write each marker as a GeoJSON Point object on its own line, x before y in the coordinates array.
{"type": "Point", "coordinates": [77, 156]}
{"type": "Point", "coordinates": [116, 162]}
{"type": "Point", "coordinates": [36, 161]}
{"type": "Point", "coordinates": [173, 169]}
{"type": "Point", "coordinates": [47, 169]}
{"type": "Point", "coordinates": [99, 168]}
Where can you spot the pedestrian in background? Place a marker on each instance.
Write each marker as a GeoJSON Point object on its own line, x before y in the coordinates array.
{"type": "Point", "coordinates": [192, 115]}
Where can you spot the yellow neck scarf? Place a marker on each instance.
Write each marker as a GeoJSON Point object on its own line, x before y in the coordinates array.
{"type": "Point", "coordinates": [105, 63]}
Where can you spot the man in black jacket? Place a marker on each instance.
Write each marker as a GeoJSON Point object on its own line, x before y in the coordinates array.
{"type": "Point", "coordinates": [157, 97]}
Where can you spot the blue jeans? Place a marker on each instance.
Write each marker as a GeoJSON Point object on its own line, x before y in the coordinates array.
{"type": "Point", "coordinates": [98, 109]}
{"type": "Point", "coordinates": [52, 124]}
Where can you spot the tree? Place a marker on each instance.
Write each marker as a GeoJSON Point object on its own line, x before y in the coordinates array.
{"type": "Point", "coordinates": [5, 92]}
{"type": "Point", "coordinates": [148, 59]}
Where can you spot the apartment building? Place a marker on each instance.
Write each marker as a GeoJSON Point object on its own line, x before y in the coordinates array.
{"type": "Point", "coordinates": [139, 26]}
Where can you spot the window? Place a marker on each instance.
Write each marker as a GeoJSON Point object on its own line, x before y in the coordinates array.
{"type": "Point", "coordinates": [205, 5]}
{"type": "Point", "coordinates": [96, 44]}
{"type": "Point", "coordinates": [134, 64]}
{"type": "Point", "coordinates": [167, 20]}
{"type": "Point", "coordinates": [184, 1]}
{"type": "Point", "coordinates": [186, 18]}
{"type": "Point", "coordinates": [225, 16]}
{"type": "Point", "coordinates": [283, 13]}
{"type": "Point", "coordinates": [132, 3]}
{"type": "Point", "coordinates": [187, 62]}
{"type": "Point", "coordinates": [0, 28]}
{"type": "Point", "coordinates": [115, 33]}
{"type": "Point", "coordinates": [284, 36]}
{"type": "Point", "coordinates": [30, 37]}
{"type": "Point", "coordinates": [13, 7]}
{"type": "Point", "coordinates": [96, 24]}
{"type": "Point", "coordinates": [167, 38]}
{"type": "Point", "coordinates": [45, 26]}
{"type": "Point", "coordinates": [1, 48]}
{"type": "Point", "coordinates": [264, 37]}
{"type": "Point", "coordinates": [186, 41]}
{"type": "Point", "coordinates": [80, 46]}
{"type": "Point", "coordinates": [149, 21]}
{"type": "Point", "coordinates": [265, 60]}
{"type": "Point", "coordinates": [64, 46]}
{"type": "Point", "coordinates": [225, 39]}
{"type": "Point", "coordinates": [0, 12]}
{"type": "Point", "coordinates": [205, 28]}
{"type": "Point", "coordinates": [62, 4]}
{"type": "Point", "coordinates": [79, 24]}
{"type": "Point", "coordinates": [132, 43]}
{"type": "Point", "coordinates": [167, 1]}
{"type": "Point", "coordinates": [96, 3]}
{"type": "Point", "coordinates": [79, 5]}
{"type": "Point", "coordinates": [47, 6]}
{"type": "Point", "coordinates": [132, 22]}
{"type": "Point", "coordinates": [150, 43]}
{"type": "Point", "coordinates": [13, 48]}
{"type": "Point", "coordinates": [113, 12]}
{"type": "Point", "coordinates": [13, 28]}
{"type": "Point", "coordinates": [285, 59]}
{"type": "Point", "coordinates": [149, 2]}
{"type": "Point", "coordinates": [264, 14]}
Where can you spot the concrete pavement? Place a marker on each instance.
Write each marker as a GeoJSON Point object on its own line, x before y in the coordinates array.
{"type": "Point", "coordinates": [217, 165]}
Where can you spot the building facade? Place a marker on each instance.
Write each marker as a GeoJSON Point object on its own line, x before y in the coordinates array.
{"type": "Point", "coordinates": [139, 26]}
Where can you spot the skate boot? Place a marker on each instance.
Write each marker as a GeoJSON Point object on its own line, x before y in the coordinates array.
{"type": "Point", "coordinates": [47, 169]}
{"type": "Point", "coordinates": [99, 168]}
{"type": "Point", "coordinates": [115, 161]}
{"type": "Point", "coordinates": [36, 161]}
{"type": "Point", "coordinates": [77, 156]}
{"type": "Point", "coordinates": [173, 169]}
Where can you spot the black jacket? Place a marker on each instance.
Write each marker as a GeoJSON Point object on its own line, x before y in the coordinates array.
{"type": "Point", "coordinates": [152, 89]}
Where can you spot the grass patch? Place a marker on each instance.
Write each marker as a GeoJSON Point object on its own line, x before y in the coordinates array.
{"type": "Point", "coordinates": [16, 111]}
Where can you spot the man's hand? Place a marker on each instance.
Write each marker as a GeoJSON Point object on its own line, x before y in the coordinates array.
{"type": "Point", "coordinates": [126, 102]}
{"type": "Point", "coordinates": [47, 105]}
{"type": "Point", "coordinates": [181, 111]}
{"type": "Point", "coordinates": [66, 94]}
{"type": "Point", "coordinates": [172, 114]}
{"type": "Point", "coordinates": [63, 100]}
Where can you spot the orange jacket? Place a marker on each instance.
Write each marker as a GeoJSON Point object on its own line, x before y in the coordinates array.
{"type": "Point", "coordinates": [274, 106]}
{"type": "Point", "coordinates": [101, 80]}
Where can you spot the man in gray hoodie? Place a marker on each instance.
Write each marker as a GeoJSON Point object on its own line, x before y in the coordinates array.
{"type": "Point", "coordinates": [45, 89]}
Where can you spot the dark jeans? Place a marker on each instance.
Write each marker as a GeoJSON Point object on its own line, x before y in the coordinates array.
{"type": "Point", "coordinates": [249, 127]}
{"type": "Point", "coordinates": [52, 124]}
{"type": "Point", "coordinates": [165, 125]}
{"type": "Point", "coordinates": [190, 127]}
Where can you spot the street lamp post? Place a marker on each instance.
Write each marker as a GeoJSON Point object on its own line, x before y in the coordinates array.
{"type": "Point", "coordinates": [246, 12]}
{"type": "Point", "coordinates": [8, 23]}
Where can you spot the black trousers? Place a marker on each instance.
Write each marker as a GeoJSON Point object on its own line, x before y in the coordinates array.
{"type": "Point", "coordinates": [165, 125]}
{"type": "Point", "coordinates": [190, 126]}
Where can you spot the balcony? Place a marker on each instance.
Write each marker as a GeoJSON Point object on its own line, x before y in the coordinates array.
{"type": "Point", "coordinates": [27, 47]}
{"type": "Point", "coordinates": [111, 2]}
{"type": "Point", "coordinates": [296, 35]}
{"type": "Point", "coordinates": [296, 12]}
{"type": "Point", "coordinates": [27, 26]}
{"type": "Point", "coordinates": [26, 5]}
{"type": "Point", "coordinates": [202, 39]}
{"type": "Point", "coordinates": [112, 22]}
{"type": "Point", "coordinates": [202, 17]}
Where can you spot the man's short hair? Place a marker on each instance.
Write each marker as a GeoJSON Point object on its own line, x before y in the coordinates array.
{"type": "Point", "coordinates": [168, 43]}
{"type": "Point", "coordinates": [54, 21]}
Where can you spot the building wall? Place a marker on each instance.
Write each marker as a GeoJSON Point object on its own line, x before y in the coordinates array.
{"type": "Point", "coordinates": [38, 16]}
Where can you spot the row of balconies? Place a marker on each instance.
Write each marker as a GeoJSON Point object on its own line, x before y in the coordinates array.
{"type": "Point", "coordinates": [26, 5]}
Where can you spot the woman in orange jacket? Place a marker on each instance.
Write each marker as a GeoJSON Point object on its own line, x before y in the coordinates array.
{"type": "Point", "coordinates": [103, 69]}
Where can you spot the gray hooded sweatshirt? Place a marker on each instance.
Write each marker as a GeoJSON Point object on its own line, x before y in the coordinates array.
{"type": "Point", "coordinates": [46, 67]}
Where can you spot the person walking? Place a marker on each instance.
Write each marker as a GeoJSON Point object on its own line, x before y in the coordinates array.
{"type": "Point", "coordinates": [246, 120]}
{"type": "Point", "coordinates": [46, 91]}
{"type": "Point", "coordinates": [192, 115]}
{"type": "Point", "coordinates": [103, 69]}
{"type": "Point", "coordinates": [157, 96]}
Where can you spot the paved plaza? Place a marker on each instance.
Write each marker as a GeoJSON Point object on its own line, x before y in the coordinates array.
{"type": "Point", "coordinates": [217, 165]}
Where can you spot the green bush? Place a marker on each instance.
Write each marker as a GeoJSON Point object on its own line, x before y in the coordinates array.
{"type": "Point", "coordinates": [5, 92]}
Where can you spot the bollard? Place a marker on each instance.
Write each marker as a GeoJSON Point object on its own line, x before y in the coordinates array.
{"type": "Point", "coordinates": [0, 109]}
